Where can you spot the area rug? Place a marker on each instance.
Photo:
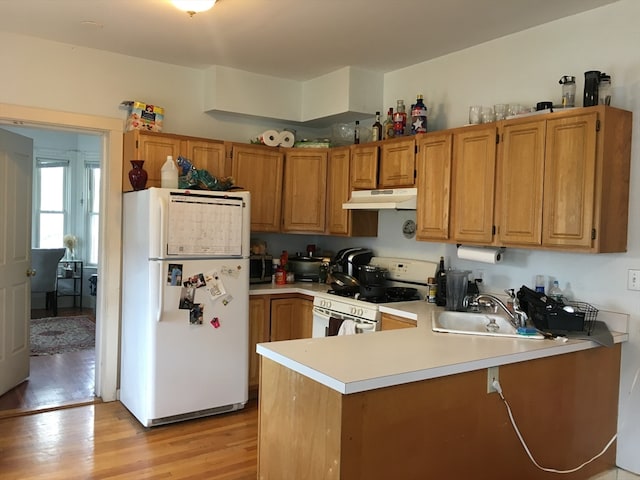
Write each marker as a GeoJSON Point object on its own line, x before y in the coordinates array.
{"type": "Point", "coordinates": [50, 336]}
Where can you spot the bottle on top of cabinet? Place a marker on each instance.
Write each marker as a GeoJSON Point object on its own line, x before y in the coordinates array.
{"type": "Point", "coordinates": [387, 127]}
{"type": "Point", "coordinates": [399, 119]}
{"type": "Point", "coordinates": [419, 116]}
{"type": "Point", "coordinates": [169, 174]}
{"type": "Point", "coordinates": [376, 129]}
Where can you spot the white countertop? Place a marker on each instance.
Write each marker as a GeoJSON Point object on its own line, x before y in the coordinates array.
{"type": "Point", "coordinates": [357, 363]}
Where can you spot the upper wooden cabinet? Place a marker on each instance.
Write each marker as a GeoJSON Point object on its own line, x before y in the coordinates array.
{"type": "Point", "coordinates": [209, 156]}
{"type": "Point", "coordinates": [364, 166]}
{"type": "Point", "coordinates": [433, 166]}
{"type": "Point", "coordinates": [520, 183]}
{"type": "Point", "coordinates": [260, 169]}
{"type": "Point", "coordinates": [473, 184]}
{"type": "Point", "coordinates": [397, 163]}
{"type": "Point", "coordinates": [564, 180]}
{"type": "Point", "coordinates": [305, 190]}
{"type": "Point", "coordinates": [361, 223]}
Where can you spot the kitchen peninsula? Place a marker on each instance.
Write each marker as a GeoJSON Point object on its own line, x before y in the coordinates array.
{"type": "Point", "coordinates": [413, 404]}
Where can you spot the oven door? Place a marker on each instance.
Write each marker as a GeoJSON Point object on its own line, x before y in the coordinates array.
{"type": "Point", "coordinates": [322, 315]}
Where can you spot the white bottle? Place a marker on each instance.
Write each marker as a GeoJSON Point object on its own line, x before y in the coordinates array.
{"type": "Point", "coordinates": [169, 174]}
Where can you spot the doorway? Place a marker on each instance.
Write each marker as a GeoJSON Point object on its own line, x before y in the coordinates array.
{"type": "Point", "coordinates": [66, 189]}
{"type": "Point", "coordinates": [108, 289]}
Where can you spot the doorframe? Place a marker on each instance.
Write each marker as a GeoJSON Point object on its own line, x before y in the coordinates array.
{"type": "Point", "coordinates": [110, 251]}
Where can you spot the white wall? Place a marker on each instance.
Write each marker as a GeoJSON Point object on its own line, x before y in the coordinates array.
{"type": "Point", "coordinates": [522, 68]}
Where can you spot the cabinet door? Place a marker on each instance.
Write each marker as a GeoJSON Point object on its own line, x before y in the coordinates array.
{"type": "Point", "coordinates": [153, 148]}
{"type": "Point", "coordinates": [258, 333]}
{"type": "Point", "coordinates": [305, 190]}
{"type": "Point", "coordinates": [520, 183]}
{"type": "Point", "coordinates": [259, 170]}
{"type": "Point", "coordinates": [397, 163]}
{"type": "Point", "coordinates": [474, 162]}
{"type": "Point", "coordinates": [569, 181]}
{"type": "Point", "coordinates": [394, 322]}
{"type": "Point", "coordinates": [338, 191]}
{"type": "Point", "coordinates": [291, 318]}
{"type": "Point", "coordinates": [434, 186]}
{"type": "Point", "coordinates": [303, 320]}
{"type": "Point", "coordinates": [364, 167]}
{"type": "Point", "coordinates": [360, 223]}
{"type": "Point", "coordinates": [209, 156]}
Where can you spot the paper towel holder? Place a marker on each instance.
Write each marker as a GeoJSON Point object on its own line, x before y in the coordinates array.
{"type": "Point", "coordinates": [499, 250]}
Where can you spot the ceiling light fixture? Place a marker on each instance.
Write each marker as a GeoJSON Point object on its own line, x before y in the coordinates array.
{"type": "Point", "coordinates": [193, 6]}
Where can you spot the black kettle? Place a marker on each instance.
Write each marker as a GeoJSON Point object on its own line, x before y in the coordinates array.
{"type": "Point", "coordinates": [591, 86]}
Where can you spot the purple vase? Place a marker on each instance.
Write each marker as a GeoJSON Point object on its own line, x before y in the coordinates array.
{"type": "Point", "coordinates": [138, 175]}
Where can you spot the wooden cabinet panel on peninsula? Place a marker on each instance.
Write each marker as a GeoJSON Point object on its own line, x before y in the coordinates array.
{"type": "Point", "coordinates": [305, 190]}
{"type": "Point", "coordinates": [357, 223]}
{"type": "Point", "coordinates": [259, 169]}
{"type": "Point", "coordinates": [153, 148]}
{"type": "Point", "coordinates": [575, 165]}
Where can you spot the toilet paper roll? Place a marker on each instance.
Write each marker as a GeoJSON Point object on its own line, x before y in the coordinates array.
{"type": "Point", "coordinates": [287, 139]}
{"type": "Point", "coordinates": [271, 138]}
{"type": "Point", "coordinates": [480, 254]}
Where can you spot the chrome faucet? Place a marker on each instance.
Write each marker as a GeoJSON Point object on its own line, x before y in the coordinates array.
{"type": "Point", "coordinates": [518, 317]}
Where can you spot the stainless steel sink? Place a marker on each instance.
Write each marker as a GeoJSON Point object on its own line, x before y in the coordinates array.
{"type": "Point", "coordinates": [472, 323]}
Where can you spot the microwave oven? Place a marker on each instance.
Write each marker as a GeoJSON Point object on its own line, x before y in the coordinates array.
{"type": "Point", "coordinates": [260, 268]}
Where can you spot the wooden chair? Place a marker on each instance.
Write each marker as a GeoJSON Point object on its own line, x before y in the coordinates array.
{"type": "Point", "coordinates": [45, 280]}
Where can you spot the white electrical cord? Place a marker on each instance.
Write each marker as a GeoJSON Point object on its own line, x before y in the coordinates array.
{"type": "Point", "coordinates": [498, 388]}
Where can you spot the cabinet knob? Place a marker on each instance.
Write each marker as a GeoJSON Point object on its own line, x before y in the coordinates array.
{"type": "Point", "coordinates": [31, 272]}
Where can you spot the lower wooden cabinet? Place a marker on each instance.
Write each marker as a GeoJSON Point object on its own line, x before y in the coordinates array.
{"type": "Point", "coordinates": [259, 332]}
{"type": "Point", "coordinates": [394, 322]}
{"type": "Point", "coordinates": [273, 318]}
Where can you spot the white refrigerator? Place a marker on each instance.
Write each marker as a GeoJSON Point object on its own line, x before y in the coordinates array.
{"type": "Point", "coordinates": [185, 303]}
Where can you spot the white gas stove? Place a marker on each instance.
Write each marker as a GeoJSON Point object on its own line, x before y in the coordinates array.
{"type": "Point", "coordinates": [403, 276]}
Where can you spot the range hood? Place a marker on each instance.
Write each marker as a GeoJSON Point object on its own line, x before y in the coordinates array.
{"type": "Point", "coordinates": [389, 199]}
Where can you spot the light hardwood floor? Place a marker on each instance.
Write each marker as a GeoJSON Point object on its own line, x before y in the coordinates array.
{"type": "Point", "coordinates": [55, 380]}
{"type": "Point", "coordinates": [104, 441]}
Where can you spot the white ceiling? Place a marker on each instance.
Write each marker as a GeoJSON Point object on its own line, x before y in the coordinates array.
{"type": "Point", "coordinates": [295, 39]}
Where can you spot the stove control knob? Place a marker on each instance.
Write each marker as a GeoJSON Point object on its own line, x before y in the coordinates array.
{"type": "Point", "coordinates": [360, 312]}
{"type": "Point", "coordinates": [353, 310]}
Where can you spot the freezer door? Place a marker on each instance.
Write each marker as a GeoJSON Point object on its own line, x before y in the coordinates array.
{"type": "Point", "coordinates": [199, 353]}
{"type": "Point", "coordinates": [198, 224]}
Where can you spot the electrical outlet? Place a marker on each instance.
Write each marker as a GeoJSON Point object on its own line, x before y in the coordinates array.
{"type": "Point", "coordinates": [633, 282]}
{"type": "Point", "coordinates": [492, 374]}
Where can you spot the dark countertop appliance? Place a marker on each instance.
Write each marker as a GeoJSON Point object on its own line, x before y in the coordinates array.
{"type": "Point", "coordinates": [349, 260]}
{"type": "Point", "coordinates": [260, 268]}
{"type": "Point", "coordinates": [306, 269]}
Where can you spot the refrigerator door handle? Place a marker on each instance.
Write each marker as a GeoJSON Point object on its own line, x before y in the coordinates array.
{"type": "Point", "coordinates": [161, 288]}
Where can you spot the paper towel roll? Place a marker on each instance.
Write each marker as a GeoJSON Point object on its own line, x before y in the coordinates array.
{"type": "Point", "coordinates": [480, 254]}
{"type": "Point", "coordinates": [287, 139]}
{"type": "Point", "coordinates": [271, 138]}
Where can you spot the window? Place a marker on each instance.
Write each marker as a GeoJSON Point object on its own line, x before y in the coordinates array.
{"type": "Point", "coordinates": [50, 201]}
{"type": "Point", "coordinates": [66, 200]}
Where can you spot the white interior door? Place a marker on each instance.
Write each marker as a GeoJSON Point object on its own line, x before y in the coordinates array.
{"type": "Point", "coordinates": [16, 170]}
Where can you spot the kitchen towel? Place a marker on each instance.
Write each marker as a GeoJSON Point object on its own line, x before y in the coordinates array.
{"type": "Point", "coordinates": [480, 254]}
{"type": "Point", "coordinates": [334, 326]}
{"type": "Point", "coordinates": [348, 327]}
